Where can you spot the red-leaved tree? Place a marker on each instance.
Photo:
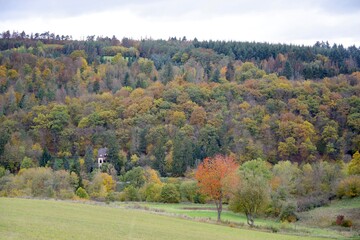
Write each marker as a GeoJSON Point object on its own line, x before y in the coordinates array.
{"type": "Point", "coordinates": [216, 177]}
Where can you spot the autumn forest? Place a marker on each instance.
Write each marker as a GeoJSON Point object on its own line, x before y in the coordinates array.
{"type": "Point", "coordinates": [160, 107]}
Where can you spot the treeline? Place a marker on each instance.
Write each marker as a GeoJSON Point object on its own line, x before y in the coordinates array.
{"type": "Point", "coordinates": [280, 190]}
{"type": "Point", "coordinates": [293, 61]}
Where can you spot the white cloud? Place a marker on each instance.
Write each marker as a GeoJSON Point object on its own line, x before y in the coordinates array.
{"type": "Point", "coordinates": [298, 22]}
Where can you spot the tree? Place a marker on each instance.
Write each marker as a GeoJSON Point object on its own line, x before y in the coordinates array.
{"type": "Point", "coordinates": [170, 194]}
{"type": "Point", "coordinates": [26, 163]}
{"type": "Point", "coordinates": [288, 71]}
{"type": "Point", "coordinates": [198, 116]}
{"type": "Point", "coordinates": [127, 82]}
{"type": "Point", "coordinates": [182, 154]}
{"type": "Point", "coordinates": [216, 176]}
{"type": "Point", "coordinates": [136, 177]}
{"type": "Point", "coordinates": [113, 156]}
{"type": "Point", "coordinates": [252, 194]}
{"type": "Point", "coordinates": [230, 71]}
{"type": "Point", "coordinates": [45, 158]}
{"type": "Point", "coordinates": [216, 76]}
{"type": "Point", "coordinates": [89, 159]}
{"type": "Point", "coordinates": [168, 73]}
{"type": "Point", "coordinates": [354, 165]}
{"type": "Point", "coordinates": [209, 140]}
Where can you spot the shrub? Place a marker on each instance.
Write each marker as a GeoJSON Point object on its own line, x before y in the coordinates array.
{"type": "Point", "coordinates": [199, 198]}
{"type": "Point", "coordinates": [188, 190]}
{"type": "Point", "coordinates": [41, 181]}
{"type": "Point", "coordinates": [26, 163]}
{"type": "Point", "coordinates": [153, 192]}
{"type": "Point", "coordinates": [65, 194]}
{"type": "Point", "coordinates": [2, 171]}
{"type": "Point", "coordinates": [100, 186]}
{"type": "Point", "coordinates": [136, 177]}
{"type": "Point", "coordinates": [349, 187]}
{"type": "Point", "coordinates": [274, 229]}
{"type": "Point", "coordinates": [310, 202]}
{"type": "Point", "coordinates": [131, 193]}
{"type": "Point", "coordinates": [110, 197]}
{"type": "Point", "coordinates": [347, 223]}
{"type": "Point", "coordinates": [288, 213]}
{"type": "Point", "coordinates": [354, 165]}
{"type": "Point", "coordinates": [170, 194]}
{"type": "Point", "coordinates": [341, 221]}
{"type": "Point", "coordinates": [81, 193]}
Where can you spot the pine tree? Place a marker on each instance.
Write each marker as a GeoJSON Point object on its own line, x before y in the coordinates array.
{"type": "Point", "coordinates": [216, 76]}
{"type": "Point", "coordinates": [113, 156]}
{"type": "Point", "coordinates": [168, 73]}
{"type": "Point", "coordinates": [288, 71]}
{"type": "Point", "coordinates": [230, 71]}
{"type": "Point", "coordinates": [45, 158]}
{"type": "Point", "coordinates": [182, 154]}
{"type": "Point", "coordinates": [127, 82]}
{"type": "Point", "coordinates": [89, 159]}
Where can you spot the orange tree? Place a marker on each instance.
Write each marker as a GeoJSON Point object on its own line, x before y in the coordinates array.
{"type": "Point", "coordinates": [216, 176]}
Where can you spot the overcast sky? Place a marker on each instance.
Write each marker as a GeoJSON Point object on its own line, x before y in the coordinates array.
{"type": "Point", "coordinates": [277, 21]}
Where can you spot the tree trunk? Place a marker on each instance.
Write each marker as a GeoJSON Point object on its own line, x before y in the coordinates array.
{"type": "Point", "coordinates": [219, 209]}
{"type": "Point", "coordinates": [250, 219]}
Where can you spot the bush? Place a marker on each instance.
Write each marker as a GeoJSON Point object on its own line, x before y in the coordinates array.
{"type": "Point", "coordinates": [131, 193]}
{"type": "Point", "coordinates": [310, 202]}
{"type": "Point", "coordinates": [100, 186]}
{"type": "Point", "coordinates": [2, 171]}
{"type": "Point", "coordinates": [288, 213]}
{"type": "Point", "coordinates": [349, 187]}
{"type": "Point", "coordinates": [347, 223]}
{"type": "Point", "coordinates": [81, 193]}
{"type": "Point", "coordinates": [111, 197]}
{"type": "Point", "coordinates": [65, 194]}
{"type": "Point", "coordinates": [188, 190]}
{"type": "Point", "coordinates": [199, 198]}
{"type": "Point", "coordinates": [136, 177]}
{"type": "Point", "coordinates": [26, 163]}
{"type": "Point", "coordinates": [340, 221]}
{"type": "Point", "coordinates": [153, 192]}
{"type": "Point", "coordinates": [170, 194]}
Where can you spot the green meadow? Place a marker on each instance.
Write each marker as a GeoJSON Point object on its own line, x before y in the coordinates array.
{"type": "Point", "coordinates": [50, 219]}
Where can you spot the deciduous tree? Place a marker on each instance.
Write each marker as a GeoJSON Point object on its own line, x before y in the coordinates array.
{"type": "Point", "coordinates": [216, 176]}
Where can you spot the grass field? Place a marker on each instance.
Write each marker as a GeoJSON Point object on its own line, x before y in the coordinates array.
{"type": "Point", "coordinates": [49, 219]}
{"type": "Point", "coordinates": [325, 216]}
{"type": "Point", "coordinates": [208, 211]}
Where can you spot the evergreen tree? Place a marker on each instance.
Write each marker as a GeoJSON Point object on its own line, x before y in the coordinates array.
{"type": "Point", "coordinates": [182, 154]}
{"type": "Point", "coordinates": [89, 159]}
{"type": "Point", "coordinates": [160, 163]}
{"type": "Point", "coordinates": [127, 82]}
{"type": "Point", "coordinates": [168, 73]}
{"type": "Point", "coordinates": [216, 76]}
{"type": "Point", "coordinates": [288, 71]}
{"type": "Point", "coordinates": [113, 156]}
{"type": "Point", "coordinates": [142, 141]}
{"type": "Point", "coordinates": [96, 87]}
{"type": "Point", "coordinates": [45, 158]}
{"type": "Point", "coordinates": [230, 71]}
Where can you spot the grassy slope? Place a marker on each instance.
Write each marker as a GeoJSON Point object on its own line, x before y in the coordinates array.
{"type": "Point", "coordinates": [303, 227]}
{"type": "Point", "coordinates": [42, 219]}
{"type": "Point", "coordinates": [325, 216]}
